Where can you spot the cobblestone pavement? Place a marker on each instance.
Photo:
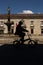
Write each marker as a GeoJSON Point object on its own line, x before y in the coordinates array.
{"type": "Point", "coordinates": [5, 39]}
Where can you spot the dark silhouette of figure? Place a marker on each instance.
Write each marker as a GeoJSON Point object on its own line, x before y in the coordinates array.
{"type": "Point", "coordinates": [20, 30]}
{"type": "Point", "coordinates": [9, 23]}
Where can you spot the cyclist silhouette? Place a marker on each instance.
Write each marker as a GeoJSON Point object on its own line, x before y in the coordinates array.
{"type": "Point", "coordinates": [20, 30]}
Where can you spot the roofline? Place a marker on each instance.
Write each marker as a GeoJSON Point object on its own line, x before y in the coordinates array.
{"type": "Point", "coordinates": [22, 16]}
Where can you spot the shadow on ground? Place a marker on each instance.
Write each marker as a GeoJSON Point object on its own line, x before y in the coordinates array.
{"type": "Point", "coordinates": [21, 54]}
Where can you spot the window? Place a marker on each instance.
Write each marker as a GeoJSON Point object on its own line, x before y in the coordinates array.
{"type": "Point", "coordinates": [2, 24]}
{"type": "Point", "coordinates": [12, 28]}
{"type": "Point", "coordinates": [41, 22]}
{"type": "Point", "coordinates": [32, 31]}
{"type": "Point", "coordinates": [32, 22]}
{"type": "Point", "coordinates": [41, 31]}
{"type": "Point", "coordinates": [1, 31]}
{"type": "Point", "coordinates": [1, 27]}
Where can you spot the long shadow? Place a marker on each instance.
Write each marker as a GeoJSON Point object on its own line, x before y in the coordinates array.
{"type": "Point", "coordinates": [24, 54]}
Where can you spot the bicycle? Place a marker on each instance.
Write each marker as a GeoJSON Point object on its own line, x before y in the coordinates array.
{"type": "Point", "coordinates": [30, 41]}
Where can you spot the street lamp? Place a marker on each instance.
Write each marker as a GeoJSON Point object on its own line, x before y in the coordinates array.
{"type": "Point", "coordinates": [8, 23]}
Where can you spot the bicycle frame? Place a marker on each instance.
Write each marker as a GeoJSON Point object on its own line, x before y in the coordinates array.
{"type": "Point", "coordinates": [30, 41]}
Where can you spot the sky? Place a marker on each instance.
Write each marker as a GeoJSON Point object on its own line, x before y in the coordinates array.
{"type": "Point", "coordinates": [18, 6]}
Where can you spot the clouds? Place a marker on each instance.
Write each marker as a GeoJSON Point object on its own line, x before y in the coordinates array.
{"type": "Point", "coordinates": [26, 12]}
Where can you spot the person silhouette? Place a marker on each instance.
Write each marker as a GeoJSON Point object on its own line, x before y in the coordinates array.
{"type": "Point", "coordinates": [20, 30]}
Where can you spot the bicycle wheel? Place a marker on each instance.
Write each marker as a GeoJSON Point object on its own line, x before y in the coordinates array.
{"type": "Point", "coordinates": [31, 42]}
{"type": "Point", "coordinates": [15, 42]}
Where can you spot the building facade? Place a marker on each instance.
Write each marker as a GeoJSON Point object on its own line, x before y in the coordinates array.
{"type": "Point", "coordinates": [34, 23]}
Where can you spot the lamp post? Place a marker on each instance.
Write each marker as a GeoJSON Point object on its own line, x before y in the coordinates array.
{"type": "Point", "coordinates": [8, 23]}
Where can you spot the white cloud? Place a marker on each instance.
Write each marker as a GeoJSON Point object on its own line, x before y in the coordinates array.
{"type": "Point", "coordinates": [26, 12]}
